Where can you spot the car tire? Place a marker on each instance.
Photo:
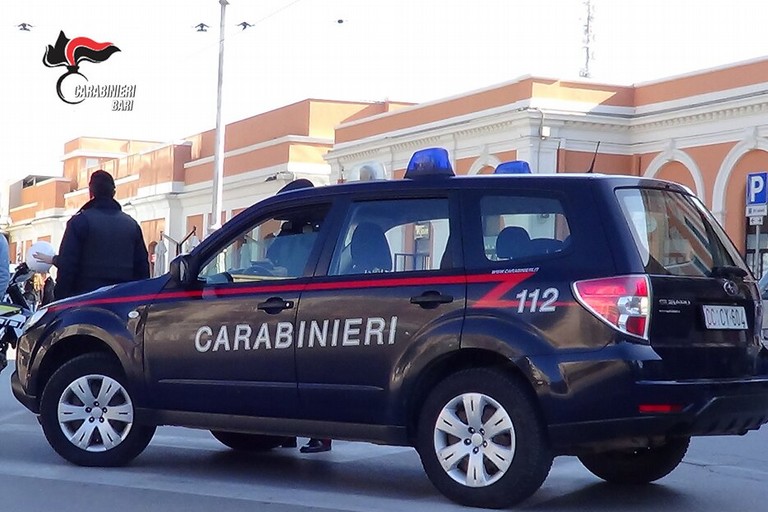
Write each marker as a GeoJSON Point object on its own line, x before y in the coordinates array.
{"type": "Point", "coordinates": [84, 431]}
{"type": "Point", "coordinates": [639, 466]}
{"type": "Point", "coordinates": [505, 439]}
{"type": "Point", "coordinates": [248, 442]}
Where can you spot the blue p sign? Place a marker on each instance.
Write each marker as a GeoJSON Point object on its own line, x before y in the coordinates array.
{"type": "Point", "coordinates": [756, 188]}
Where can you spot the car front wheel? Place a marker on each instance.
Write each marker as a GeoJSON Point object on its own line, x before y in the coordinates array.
{"type": "Point", "coordinates": [88, 415]}
{"type": "Point", "coordinates": [481, 440]}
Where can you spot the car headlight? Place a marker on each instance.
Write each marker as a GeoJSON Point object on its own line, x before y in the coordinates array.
{"type": "Point", "coordinates": [31, 321]}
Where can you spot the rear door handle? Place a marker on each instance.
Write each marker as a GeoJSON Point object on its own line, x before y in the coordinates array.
{"type": "Point", "coordinates": [274, 305]}
{"type": "Point", "coordinates": [431, 299]}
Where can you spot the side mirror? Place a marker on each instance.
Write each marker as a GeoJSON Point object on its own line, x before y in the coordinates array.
{"type": "Point", "coordinates": [179, 270]}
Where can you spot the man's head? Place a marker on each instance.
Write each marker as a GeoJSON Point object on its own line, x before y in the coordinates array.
{"type": "Point", "coordinates": [101, 184]}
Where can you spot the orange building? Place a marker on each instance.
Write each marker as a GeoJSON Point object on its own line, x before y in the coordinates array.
{"type": "Point", "coordinates": [167, 186]}
{"type": "Point", "coordinates": [707, 130]}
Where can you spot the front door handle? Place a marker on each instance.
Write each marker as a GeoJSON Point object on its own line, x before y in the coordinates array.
{"type": "Point", "coordinates": [274, 305]}
{"type": "Point", "coordinates": [431, 299]}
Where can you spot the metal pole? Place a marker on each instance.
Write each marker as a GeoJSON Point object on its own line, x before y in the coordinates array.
{"type": "Point", "coordinates": [218, 155]}
{"type": "Point", "coordinates": [758, 263]}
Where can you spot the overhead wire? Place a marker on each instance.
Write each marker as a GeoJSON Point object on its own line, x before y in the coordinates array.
{"type": "Point", "coordinates": [232, 35]}
{"type": "Point", "coordinates": [236, 34]}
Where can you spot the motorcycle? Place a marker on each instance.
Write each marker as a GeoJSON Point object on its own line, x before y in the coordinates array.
{"type": "Point", "coordinates": [15, 309]}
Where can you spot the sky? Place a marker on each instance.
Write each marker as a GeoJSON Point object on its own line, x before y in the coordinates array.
{"type": "Point", "coordinates": [401, 50]}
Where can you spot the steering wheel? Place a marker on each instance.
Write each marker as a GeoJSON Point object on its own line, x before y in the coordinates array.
{"type": "Point", "coordinates": [260, 269]}
{"type": "Point", "coordinates": [220, 278]}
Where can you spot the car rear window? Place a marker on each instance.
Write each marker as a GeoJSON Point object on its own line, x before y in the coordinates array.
{"type": "Point", "coordinates": [674, 233]}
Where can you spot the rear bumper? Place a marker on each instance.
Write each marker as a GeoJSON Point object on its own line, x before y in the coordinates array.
{"type": "Point", "coordinates": [726, 407]}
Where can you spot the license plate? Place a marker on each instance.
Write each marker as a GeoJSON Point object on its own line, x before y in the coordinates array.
{"type": "Point", "coordinates": [725, 317]}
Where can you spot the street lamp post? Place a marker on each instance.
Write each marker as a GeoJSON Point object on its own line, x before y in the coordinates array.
{"type": "Point", "coordinates": [218, 155]}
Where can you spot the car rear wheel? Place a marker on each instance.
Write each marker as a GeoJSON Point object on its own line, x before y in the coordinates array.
{"type": "Point", "coordinates": [639, 466]}
{"type": "Point", "coordinates": [247, 442]}
{"type": "Point", "coordinates": [88, 415]}
{"type": "Point", "coordinates": [481, 440]}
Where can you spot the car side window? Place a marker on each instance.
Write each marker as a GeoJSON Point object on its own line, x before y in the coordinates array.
{"type": "Point", "coordinates": [517, 227]}
{"type": "Point", "coordinates": [278, 247]}
{"type": "Point", "coordinates": [393, 236]}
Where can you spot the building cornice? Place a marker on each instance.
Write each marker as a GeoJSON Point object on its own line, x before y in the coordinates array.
{"type": "Point", "coordinates": [737, 109]}
{"type": "Point", "coordinates": [619, 134]}
{"type": "Point", "coordinates": [52, 178]}
{"type": "Point", "coordinates": [514, 118]}
{"type": "Point", "coordinates": [118, 182]}
{"type": "Point", "coordinates": [288, 139]}
{"type": "Point", "coordinates": [487, 121]}
{"type": "Point", "coordinates": [700, 72]}
{"type": "Point", "coordinates": [22, 207]}
{"type": "Point", "coordinates": [92, 153]}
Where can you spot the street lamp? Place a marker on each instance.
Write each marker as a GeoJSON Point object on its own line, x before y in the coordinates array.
{"type": "Point", "coordinates": [218, 154]}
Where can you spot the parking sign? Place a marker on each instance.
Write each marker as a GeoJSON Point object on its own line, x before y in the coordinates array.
{"type": "Point", "coordinates": [757, 194]}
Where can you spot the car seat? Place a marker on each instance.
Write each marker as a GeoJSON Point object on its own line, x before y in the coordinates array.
{"type": "Point", "coordinates": [513, 242]}
{"type": "Point", "coordinates": [446, 261]}
{"type": "Point", "coordinates": [291, 247]}
{"type": "Point", "coordinates": [369, 250]}
{"type": "Point", "coordinates": [545, 245]}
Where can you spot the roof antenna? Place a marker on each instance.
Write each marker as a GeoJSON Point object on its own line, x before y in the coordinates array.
{"type": "Point", "coordinates": [594, 157]}
{"type": "Point", "coordinates": [589, 38]}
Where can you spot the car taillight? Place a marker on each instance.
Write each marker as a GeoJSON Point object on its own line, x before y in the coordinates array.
{"type": "Point", "coordinates": [621, 302]}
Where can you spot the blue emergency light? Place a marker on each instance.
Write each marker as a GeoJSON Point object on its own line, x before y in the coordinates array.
{"type": "Point", "coordinates": [431, 162]}
{"type": "Point", "coordinates": [513, 167]}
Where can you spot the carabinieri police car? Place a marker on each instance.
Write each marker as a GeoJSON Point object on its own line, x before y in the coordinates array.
{"type": "Point", "coordinates": [491, 322]}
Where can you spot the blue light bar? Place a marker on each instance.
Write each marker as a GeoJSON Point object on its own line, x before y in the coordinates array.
{"type": "Point", "coordinates": [513, 167]}
{"type": "Point", "coordinates": [429, 162]}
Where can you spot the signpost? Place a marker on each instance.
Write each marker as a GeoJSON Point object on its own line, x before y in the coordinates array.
{"type": "Point", "coordinates": [757, 208]}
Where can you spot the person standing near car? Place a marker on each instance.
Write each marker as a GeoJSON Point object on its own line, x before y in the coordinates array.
{"type": "Point", "coordinates": [5, 266]}
{"type": "Point", "coordinates": [316, 445]}
{"type": "Point", "coordinates": [101, 246]}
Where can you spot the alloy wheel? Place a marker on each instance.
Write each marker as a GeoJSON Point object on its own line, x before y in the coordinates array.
{"type": "Point", "coordinates": [95, 413]}
{"type": "Point", "coordinates": [474, 439]}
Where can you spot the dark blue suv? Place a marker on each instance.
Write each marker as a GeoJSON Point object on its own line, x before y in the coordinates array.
{"type": "Point", "coordinates": [491, 322]}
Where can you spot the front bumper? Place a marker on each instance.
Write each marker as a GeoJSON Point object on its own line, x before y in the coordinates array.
{"type": "Point", "coordinates": [28, 401]}
{"type": "Point", "coordinates": [710, 407]}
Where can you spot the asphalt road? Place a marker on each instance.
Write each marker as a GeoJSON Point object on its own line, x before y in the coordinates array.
{"type": "Point", "coordinates": [187, 470]}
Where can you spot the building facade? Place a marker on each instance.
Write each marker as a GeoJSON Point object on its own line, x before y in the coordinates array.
{"type": "Point", "coordinates": [167, 187]}
{"type": "Point", "coordinates": [707, 130]}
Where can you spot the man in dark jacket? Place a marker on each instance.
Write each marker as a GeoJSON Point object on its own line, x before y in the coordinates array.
{"type": "Point", "coordinates": [101, 245]}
